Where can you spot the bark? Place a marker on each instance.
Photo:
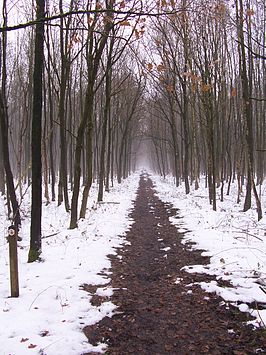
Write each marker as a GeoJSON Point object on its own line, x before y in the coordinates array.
{"type": "Point", "coordinates": [4, 131]}
{"type": "Point", "coordinates": [247, 111]}
{"type": "Point", "coordinates": [77, 160]}
{"type": "Point", "coordinates": [36, 200]}
{"type": "Point", "coordinates": [89, 158]}
{"type": "Point", "coordinates": [186, 138]}
{"type": "Point", "coordinates": [2, 170]}
{"type": "Point", "coordinates": [108, 163]}
{"type": "Point", "coordinates": [93, 60]}
{"type": "Point", "coordinates": [8, 171]}
{"type": "Point", "coordinates": [64, 76]}
{"type": "Point", "coordinates": [104, 128]}
{"type": "Point", "coordinates": [51, 132]}
{"type": "Point", "coordinates": [185, 102]}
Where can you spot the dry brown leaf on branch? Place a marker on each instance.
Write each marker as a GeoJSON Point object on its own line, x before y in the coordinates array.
{"type": "Point", "coordinates": [205, 87]}
{"type": "Point", "coordinates": [186, 74]}
{"type": "Point", "coordinates": [150, 66]}
{"type": "Point", "coordinates": [160, 67]}
{"type": "Point", "coordinates": [195, 78]}
{"type": "Point", "coordinates": [173, 3]}
{"type": "Point", "coordinates": [137, 34]}
{"type": "Point", "coordinates": [233, 92]}
{"type": "Point", "coordinates": [220, 9]}
{"type": "Point", "coordinates": [98, 6]}
{"type": "Point", "coordinates": [89, 19]}
{"type": "Point", "coordinates": [125, 23]}
{"type": "Point", "coordinates": [170, 88]}
{"type": "Point", "coordinates": [194, 87]}
{"type": "Point", "coordinates": [250, 12]}
{"type": "Point", "coordinates": [158, 42]}
{"type": "Point", "coordinates": [107, 19]}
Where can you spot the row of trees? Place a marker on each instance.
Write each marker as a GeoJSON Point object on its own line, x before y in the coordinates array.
{"type": "Point", "coordinates": [208, 95]}
{"type": "Point", "coordinates": [79, 123]}
{"type": "Point", "coordinates": [87, 86]}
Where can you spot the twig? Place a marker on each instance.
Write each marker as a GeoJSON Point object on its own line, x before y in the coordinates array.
{"type": "Point", "coordinates": [251, 235]}
{"type": "Point", "coordinates": [87, 12]}
{"type": "Point", "coordinates": [258, 98]}
{"type": "Point", "coordinates": [262, 321]}
{"type": "Point", "coordinates": [262, 289]}
{"type": "Point", "coordinates": [50, 235]}
{"type": "Point", "coordinates": [41, 352]}
{"type": "Point", "coordinates": [38, 296]}
{"type": "Point", "coordinates": [238, 248]}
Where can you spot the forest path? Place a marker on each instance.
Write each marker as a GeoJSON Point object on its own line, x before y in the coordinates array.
{"type": "Point", "coordinates": [157, 314]}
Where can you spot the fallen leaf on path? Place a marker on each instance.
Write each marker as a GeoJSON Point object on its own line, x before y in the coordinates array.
{"type": "Point", "coordinates": [23, 340]}
{"type": "Point", "coordinates": [32, 346]}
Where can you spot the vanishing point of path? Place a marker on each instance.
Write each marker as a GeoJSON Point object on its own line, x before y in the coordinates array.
{"type": "Point", "coordinates": [160, 310]}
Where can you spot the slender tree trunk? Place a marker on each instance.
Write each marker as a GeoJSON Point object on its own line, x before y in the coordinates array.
{"type": "Point", "coordinates": [89, 160]}
{"type": "Point", "coordinates": [108, 163]}
{"type": "Point", "coordinates": [93, 60]}
{"type": "Point", "coordinates": [104, 128]}
{"type": "Point", "coordinates": [51, 132]}
{"type": "Point", "coordinates": [4, 130]}
{"type": "Point", "coordinates": [77, 160]}
{"type": "Point", "coordinates": [247, 105]}
{"type": "Point", "coordinates": [64, 75]}
{"type": "Point", "coordinates": [44, 153]}
{"type": "Point", "coordinates": [36, 154]}
{"type": "Point", "coordinates": [2, 170]}
{"type": "Point", "coordinates": [8, 171]}
{"type": "Point", "coordinates": [185, 102]}
{"type": "Point", "coordinates": [186, 138]}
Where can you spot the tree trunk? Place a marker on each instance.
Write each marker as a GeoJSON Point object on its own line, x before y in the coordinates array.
{"type": "Point", "coordinates": [9, 175]}
{"type": "Point", "coordinates": [64, 74]}
{"type": "Point", "coordinates": [4, 131]}
{"type": "Point", "coordinates": [104, 128]}
{"type": "Point", "coordinates": [36, 130]}
{"type": "Point", "coordinates": [247, 107]}
{"type": "Point", "coordinates": [2, 170]}
{"type": "Point", "coordinates": [77, 160]}
{"type": "Point", "coordinates": [93, 60]}
{"type": "Point", "coordinates": [108, 163]}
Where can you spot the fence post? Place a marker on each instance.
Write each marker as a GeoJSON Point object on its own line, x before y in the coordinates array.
{"type": "Point", "coordinates": [13, 260]}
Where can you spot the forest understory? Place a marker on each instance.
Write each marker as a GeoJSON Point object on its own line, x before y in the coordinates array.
{"type": "Point", "coordinates": [161, 309]}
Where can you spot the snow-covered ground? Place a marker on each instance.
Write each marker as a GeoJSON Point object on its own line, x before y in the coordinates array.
{"type": "Point", "coordinates": [235, 241]}
{"type": "Point", "coordinates": [51, 310]}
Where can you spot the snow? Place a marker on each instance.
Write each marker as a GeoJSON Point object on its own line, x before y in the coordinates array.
{"type": "Point", "coordinates": [234, 240]}
{"type": "Point", "coordinates": [52, 309]}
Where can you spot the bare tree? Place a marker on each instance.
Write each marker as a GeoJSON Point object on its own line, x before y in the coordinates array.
{"type": "Point", "coordinates": [247, 111]}
{"type": "Point", "coordinates": [4, 127]}
{"type": "Point", "coordinates": [36, 131]}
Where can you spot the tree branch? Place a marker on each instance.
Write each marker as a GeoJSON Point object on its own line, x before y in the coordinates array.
{"type": "Point", "coordinates": [256, 55]}
{"type": "Point", "coordinates": [85, 12]}
{"type": "Point", "coordinates": [257, 99]}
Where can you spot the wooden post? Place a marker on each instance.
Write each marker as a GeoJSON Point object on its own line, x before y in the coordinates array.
{"type": "Point", "coordinates": [13, 260]}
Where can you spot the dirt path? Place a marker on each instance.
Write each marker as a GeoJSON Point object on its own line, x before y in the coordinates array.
{"type": "Point", "coordinates": [156, 315]}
